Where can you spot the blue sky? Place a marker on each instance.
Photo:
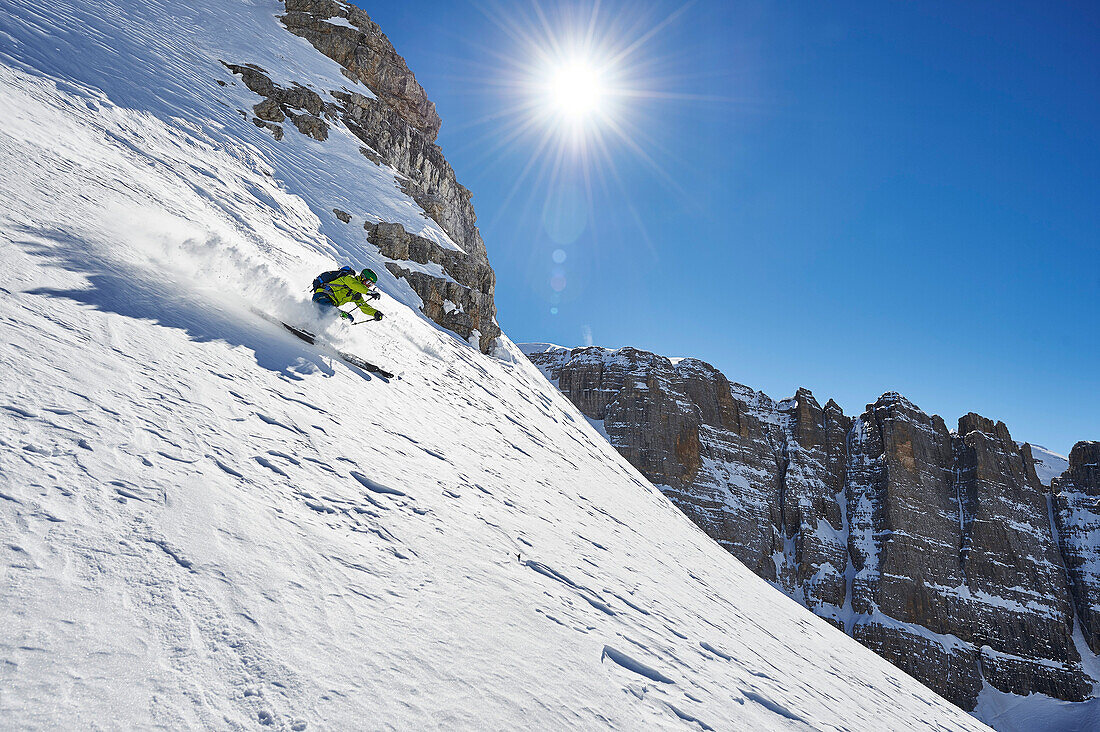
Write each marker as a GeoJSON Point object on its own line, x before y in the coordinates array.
{"type": "Point", "coordinates": [851, 197]}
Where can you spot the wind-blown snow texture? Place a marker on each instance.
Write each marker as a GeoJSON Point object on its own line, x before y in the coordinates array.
{"type": "Point", "coordinates": [208, 523]}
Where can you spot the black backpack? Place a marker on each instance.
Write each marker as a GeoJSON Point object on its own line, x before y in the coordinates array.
{"type": "Point", "coordinates": [325, 277]}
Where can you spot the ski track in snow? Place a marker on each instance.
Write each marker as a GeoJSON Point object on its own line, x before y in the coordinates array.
{"type": "Point", "coordinates": [208, 523]}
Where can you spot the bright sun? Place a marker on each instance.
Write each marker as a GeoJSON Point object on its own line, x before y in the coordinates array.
{"type": "Point", "coordinates": [578, 87]}
{"type": "Point", "coordinates": [576, 90]}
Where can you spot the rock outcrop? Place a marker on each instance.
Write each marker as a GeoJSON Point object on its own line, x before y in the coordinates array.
{"type": "Point", "coordinates": [466, 309]}
{"type": "Point", "coordinates": [301, 105]}
{"type": "Point", "coordinates": [398, 122]}
{"type": "Point", "coordinates": [950, 533]}
{"type": "Point", "coordinates": [365, 54]}
{"type": "Point", "coordinates": [429, 179]}
{"type": "Point", "coordinates": [1077, 516]}
{"type": "Point", "coordinates": [934, 548]}
{"type": "Point", "coordinates": [814, 471]}
{"type": "Point", "coordinates": [392, 115]}
{"type": "Point", "coordinates": [710, 445]}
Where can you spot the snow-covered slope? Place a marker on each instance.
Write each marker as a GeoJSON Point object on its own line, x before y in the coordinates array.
{"type": "Point", "coordinates": [207, 523]}
{"type": "Point", "coordinates": [1048, 465]}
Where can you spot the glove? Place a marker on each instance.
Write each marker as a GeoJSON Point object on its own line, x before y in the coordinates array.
{"type": "Point", "coordinates": [346, 316]}
{"type": "Point", "coordinates": [378, 316]}
{"type": "Point", "coordinates": [374, 296]}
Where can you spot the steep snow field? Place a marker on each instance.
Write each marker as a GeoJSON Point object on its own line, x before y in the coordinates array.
{"type": "Point", "coordinates": [1048, 464]}
{"type": "Point", "coordinates": [207, 523]}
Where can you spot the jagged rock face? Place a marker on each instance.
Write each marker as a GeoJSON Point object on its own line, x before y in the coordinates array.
{"type": "Point", "coordinates": [401, 124]}
{"type": "Point", "coordinates": [429, 178]}
{"type": "Point", "coordinates": [813, 477]}
{"type": "Point", "coordinates": [1077, 515]}
{"type": "Point", "coordinates": [950, 533]}
{"type": "Point", "coordinates": [715, 456]}
{"type": "Point", "coordinates": [398, 125]}
{"type": "Point", "coordinates": [300, 104]}
{"type": "Point", "coordinates": [366, 55]}
{"type": "Point", "coordinates": [1014, 569]}
{"type": "Point", "coordinates": [899, 460]}
{"type": "Point", "coordinates": [310, 125]}
{"type": "Point", "coordinates": [454, 304]}
{"type": "Point", "coordinates": [761, 478]}
{"type": "Point", "coordinates": [931, 547]}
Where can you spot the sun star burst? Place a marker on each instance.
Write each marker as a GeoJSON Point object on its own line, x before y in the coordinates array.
{"type": "Point", "coordinates": [579, 90]}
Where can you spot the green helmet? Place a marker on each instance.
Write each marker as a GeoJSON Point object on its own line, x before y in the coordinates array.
{"type": "Point", "coordinates": [369, 275]}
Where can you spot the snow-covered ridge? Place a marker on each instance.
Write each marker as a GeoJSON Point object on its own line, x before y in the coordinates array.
{"type": "Point", "coordinates": [1048, 464]}
{"type": "Point", "coordinates": [529, 348]}
{"type": "Point", "coordinates": [208, 523]}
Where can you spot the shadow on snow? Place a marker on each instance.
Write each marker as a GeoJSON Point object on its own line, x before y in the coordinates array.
{"type": "Point", "coordinates": [159, 297]}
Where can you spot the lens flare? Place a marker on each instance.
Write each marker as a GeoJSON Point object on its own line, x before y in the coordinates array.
{"type": "Point", "coordinates": [580, 90]}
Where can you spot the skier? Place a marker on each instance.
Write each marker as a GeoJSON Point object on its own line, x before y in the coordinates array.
{"type": "Point", "coordinates": [335, 288]}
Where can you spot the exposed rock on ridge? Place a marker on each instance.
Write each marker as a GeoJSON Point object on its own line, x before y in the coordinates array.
{"type": "Point", "coordinates": [950, 533]}
{"type": "Point", "coordinates": [813, 475]}
{"type": "Point", "coordinates": [365, 54]}
{"type": "Point", "coordinates": [931, 547]}
{"type": "Point", "coordinates": [398, 124]}
{"type": "Point", "coordinates": [1077, 516]}
{"type": "Point", "coordinates": [465, 310]}
{"type": "Point", "coordinates": [430, 181]}
{"type": "Point", "coordinates": [303, 106]}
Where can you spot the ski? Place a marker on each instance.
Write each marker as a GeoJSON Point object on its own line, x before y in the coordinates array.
{"type": "Point", "coordinates": [314, 340]}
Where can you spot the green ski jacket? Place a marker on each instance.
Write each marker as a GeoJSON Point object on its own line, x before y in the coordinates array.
{"type": "Point", "coordinates": [348, 289]}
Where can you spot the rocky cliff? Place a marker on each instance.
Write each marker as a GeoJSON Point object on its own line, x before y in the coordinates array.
{"type": "Point", "coordinates": [941, 550]}
{"type": "Point", "coordinates": [1077, 518]}
{"type": "Point", "coordinates": [390, 113]}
